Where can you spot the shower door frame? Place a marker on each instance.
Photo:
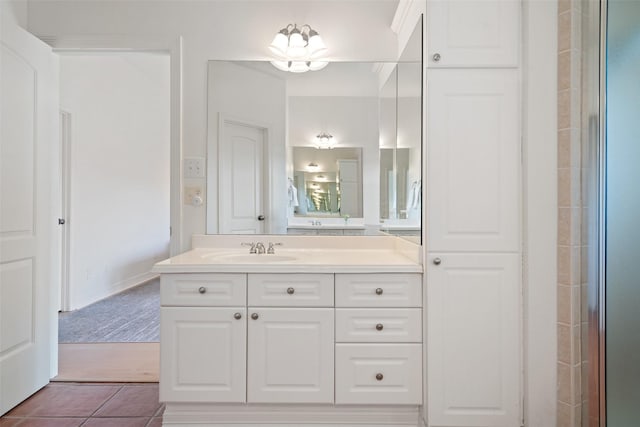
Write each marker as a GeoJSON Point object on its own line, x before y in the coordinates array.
{"type": "Point", "coordinates": [595, 142]}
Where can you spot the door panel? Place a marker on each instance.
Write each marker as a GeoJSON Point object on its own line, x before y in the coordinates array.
{"type": "Point", "coordinates": [206, 348]}
{"type": "Point", "coordinates": [473, 160]}
{"type": "Point", "coordinates": [241, 164]}
{"type": "Point", "coordinates": [27, 144]}
{"type": "Point", "coordinates": [291, 355]}
{"type": "Point", "coordinates": [473, 309]}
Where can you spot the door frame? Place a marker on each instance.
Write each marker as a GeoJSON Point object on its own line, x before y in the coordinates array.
{"type": "Point", "coordinates": [65, 208]}
{"type": "Point", "coordinates": [173, 47]}
{"type": "Point", "coordinates": [103, 44]}
{"type": "Point", "coordinates": [224, 119]}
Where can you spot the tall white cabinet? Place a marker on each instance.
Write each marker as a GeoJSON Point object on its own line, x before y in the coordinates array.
{"type": "Point", "coordinates": [473, 215]}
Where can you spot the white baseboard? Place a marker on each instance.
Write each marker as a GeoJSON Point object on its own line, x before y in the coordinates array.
{"type": "Point", "coordinates": [240, 415]}
{"type": "Point", "coordinates": [130, 282]}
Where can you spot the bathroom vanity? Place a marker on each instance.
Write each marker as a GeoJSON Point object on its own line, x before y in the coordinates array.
{"type": "Point", "coordinates": [325, 331]}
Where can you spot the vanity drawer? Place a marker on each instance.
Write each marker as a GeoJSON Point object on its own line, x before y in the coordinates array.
{"type": "Point", "coordinates": [379, 325]}
{"type": "Point", "coordinates": [290, 290]}
{"type": "Point", "coordinates": [379, 374]}
{"type": "Point", "coordinates": [379, 290]}
{"type": "Point", "coordinates": [203, 290]}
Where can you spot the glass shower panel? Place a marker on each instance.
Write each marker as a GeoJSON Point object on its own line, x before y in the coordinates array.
{"type": "Point", "coordinates": [623, 214]}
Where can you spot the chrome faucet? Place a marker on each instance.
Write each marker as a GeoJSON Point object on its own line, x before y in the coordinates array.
{"type": "Point", "coordinates": [260, 248]}
{"type": "Point", "coordinates": [315, 222]}
{"type": "Point", "coordinates": [252, 250]}
{"type": "Point", "coordinates": [271, 249]}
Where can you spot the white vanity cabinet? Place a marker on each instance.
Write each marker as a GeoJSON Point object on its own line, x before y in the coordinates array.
{"type": "Point", "coordinates": [291, 348]}
{"type": "Point", "coordinates": [472, 33]}
{"type": "Point", "coordinates": [203, 337]}
{"type": "Point", "coordinates": [379, 339]}
{"type": "Point", "coordinates": [291, 336]}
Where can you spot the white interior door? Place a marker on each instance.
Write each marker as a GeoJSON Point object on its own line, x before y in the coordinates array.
{"type": "Point", "coordinates": [241, 188]}
{"type": "Point", "coordinates": [27, 145]}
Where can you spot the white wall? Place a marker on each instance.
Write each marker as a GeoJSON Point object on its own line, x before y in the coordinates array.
{"type": "Point", "coordinates": [14, 11]}
{"type": "Point", "coordinates": [353, 122]}
{"type": "Point", "coordinates": [119, 218]}
{"type": "Point", "coordinates": [243, 93]}
{"type": "Point", "coordinates": [240, 29]}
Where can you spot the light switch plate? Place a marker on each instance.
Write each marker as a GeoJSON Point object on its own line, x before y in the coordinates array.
{"type": "Point", "coordinates": [194, 167]}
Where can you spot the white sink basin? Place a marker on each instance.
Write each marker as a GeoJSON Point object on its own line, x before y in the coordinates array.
{"type": "Point", "coordinates": [251, 258]}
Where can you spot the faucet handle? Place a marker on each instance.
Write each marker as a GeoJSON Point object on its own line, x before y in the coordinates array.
{"type": "Point", "coordinates": [252, 250]}
{"type": "Point", "coordinates": [271, 249]}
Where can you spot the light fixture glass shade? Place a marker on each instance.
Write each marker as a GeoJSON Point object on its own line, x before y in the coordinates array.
{"type": "Point", "coordinates": [279, 44]}
{"type": "Point", "coordinates": [317, 65]}
{"type": "Point", "coordinates": [316, 46]}
{"type": "Point", "coordinates": [297, 47]}
{"type": "Point", "coordinates": [298, 66]}
{"type": "Point", "coordinates": [324, 141]}
{"type": "Point", "coordinates": [296, 39]}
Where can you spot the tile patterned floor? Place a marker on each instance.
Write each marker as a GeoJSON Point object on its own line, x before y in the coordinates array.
{"type": "Point", "coordinates": [89, 405]}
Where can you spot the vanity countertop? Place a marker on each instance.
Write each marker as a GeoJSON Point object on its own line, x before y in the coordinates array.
{"type": "Point", "coordinates": [223, 260]}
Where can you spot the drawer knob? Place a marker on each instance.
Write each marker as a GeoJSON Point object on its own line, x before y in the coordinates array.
{"type": "Point", "coordinates": [290, 291]}
{"type": "Point", "coordinates": [237, 316]}
{"type": "Point", "coordinates": [255, 316]}
{"type": "Point", "coordinates": [379, 291]}
{"type": "Point", "coordinates": [379, 327]}
{"type": "Point", "coordinates": [379, 377]}
{"type": "Point", "coordinates": [202, 289]}
{"type": "Point", "coordinates": [436, 57]}
{"type": "Point", "coordinates": [437, 261]}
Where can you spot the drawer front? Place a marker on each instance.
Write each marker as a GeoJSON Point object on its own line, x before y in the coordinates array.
{"type": "Point", "coordinates": [290, 290]}
{"type": "Point", "coordinates": [378, 290]}
{"type": "Point", "coordinates": [379, 374]}
{"type": "Point", "coordinates": [379, 325]}
{"type": "Point", "coordinates": [203, 290]}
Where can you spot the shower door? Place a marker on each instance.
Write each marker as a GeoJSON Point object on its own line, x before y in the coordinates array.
{"type": "Point", "coordinates": [622, 219]}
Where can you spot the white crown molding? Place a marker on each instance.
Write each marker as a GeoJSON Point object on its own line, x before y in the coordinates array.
{"type": "Point", "coordinates": [402, 12]}
{"type": "Point", "coordinates": [404, 21]}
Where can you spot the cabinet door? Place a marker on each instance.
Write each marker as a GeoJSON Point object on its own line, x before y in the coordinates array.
{"type": "Point", "coordinates": [473, 33]}
{"type": "Point", "coordinates": [473, 155]}
{"type": "Point", "coordinates": [203, 354]}
{"type": "Point", "coordinates": [473, 368]}
{"type": "Point", "coordinates": [290, 358]}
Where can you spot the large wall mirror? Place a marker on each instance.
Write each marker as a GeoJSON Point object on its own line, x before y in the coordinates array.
{"type": "Point", "coordinates": [334, 151]}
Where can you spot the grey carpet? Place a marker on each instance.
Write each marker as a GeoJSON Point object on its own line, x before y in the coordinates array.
{"type": "Point", "coordinates": [130, 316]}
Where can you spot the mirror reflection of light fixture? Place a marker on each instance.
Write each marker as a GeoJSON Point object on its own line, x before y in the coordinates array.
{"type": "Point", "coordinates": [298, 49]}
{"type": "Point", "coordinates": [313, 167]}
{"type": "Point", "coordinates": [324, 141]}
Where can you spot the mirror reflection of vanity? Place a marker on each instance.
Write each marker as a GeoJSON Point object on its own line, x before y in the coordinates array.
{"type": "Point", "coordinates": [335, 151]}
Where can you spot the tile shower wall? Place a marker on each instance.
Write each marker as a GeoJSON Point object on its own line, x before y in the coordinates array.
{"type": "Point", "coordinates": [570, 209]}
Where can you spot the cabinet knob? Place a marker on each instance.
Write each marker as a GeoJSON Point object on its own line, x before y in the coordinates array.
{"type": "Point", "coordinates": [290, 291]}
{"type": "Point", "coordinates": [255, 316]}
{"type": "Point", "coordinates": [436, 57]}
{"type": "Point", "coordinates": [379, 291]}
{"type": "Point", "coordinates": [202, 289]}
{"type": "Point", "coordinates": [437, 261]}
{"type": "Point", "coordinates": [379, 377]}
{"type": "Point", "coordinates": [379, 327]}
{"type": "Point", "coordinates": [237, 316]}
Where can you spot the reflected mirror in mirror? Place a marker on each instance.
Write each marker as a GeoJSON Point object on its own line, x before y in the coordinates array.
{"type": "Point", "coordinates": [327, 183]}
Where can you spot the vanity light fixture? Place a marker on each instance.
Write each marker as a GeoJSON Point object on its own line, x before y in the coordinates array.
{"type": "Point", "coordinates": [324, 141]}
{"type": "Point", "coordinates": [298, 49]}
{"type": "Point", "coordinates": [313, 167]}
